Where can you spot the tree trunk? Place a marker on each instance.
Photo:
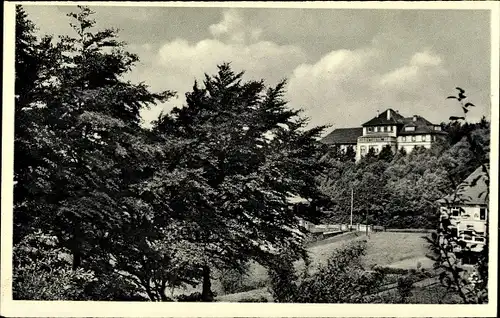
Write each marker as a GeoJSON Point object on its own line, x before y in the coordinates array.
{"type": "Point", "coordinates": [75, 248]}
{"type": "Point", "coordinates": [77, 259]}
{"type": "Point", "coordinates": [206, 294]}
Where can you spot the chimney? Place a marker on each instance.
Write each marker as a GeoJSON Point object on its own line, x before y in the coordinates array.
{"type": "Point", "coordinates": [388, 114]}
{"type": "Point", "coordinates": [414, 117]}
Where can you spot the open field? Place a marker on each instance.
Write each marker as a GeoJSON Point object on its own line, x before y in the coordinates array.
{"type": "Point", "coordinates": [383, 248]}
{"type": "Point", "coordinates": [389, 249]}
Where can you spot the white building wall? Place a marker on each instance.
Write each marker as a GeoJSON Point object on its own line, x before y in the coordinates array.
{"type": "Point", "coordinates": [469, 218]}
{"type": "Point", "coordinates": [411, 141]}
{"type": "Point", "coordinates": [376, 145]}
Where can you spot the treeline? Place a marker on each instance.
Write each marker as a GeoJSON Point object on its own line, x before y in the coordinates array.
{"type": "Point", "coordinates": [400, 190]}
{"type": "Point", "coordinates": [108, 210]}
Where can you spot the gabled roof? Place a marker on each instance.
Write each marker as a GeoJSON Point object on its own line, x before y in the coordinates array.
{"type": "Point", "coordinates": [472, 191]}
{"type": "Point", "coordinates": [394, 118]}
{"type": "Point", "coordinates": [343, 136]}
{"type": "Point", "coordinates": [422, 126]}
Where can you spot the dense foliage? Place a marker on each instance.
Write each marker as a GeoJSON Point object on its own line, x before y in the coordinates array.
{"type": "Point", "coordinates": [400, 190]}
{"type": "Point", "coordinates": [105, 209]}
{"type": "Point", "coordinates": [343, 279]}
{"type": "Point", "coordinates": [150, 210]}
{"type": "Point", "coordinates": [448, 251]}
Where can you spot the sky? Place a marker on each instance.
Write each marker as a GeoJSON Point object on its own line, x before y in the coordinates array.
{"type": "Point", "coordinates": [341, 65]}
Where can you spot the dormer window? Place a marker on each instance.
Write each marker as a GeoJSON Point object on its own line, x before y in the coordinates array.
{"type": "Point", "coordinates": [437, 128]}
{"type": "Point", "coordinates": [410, 128]}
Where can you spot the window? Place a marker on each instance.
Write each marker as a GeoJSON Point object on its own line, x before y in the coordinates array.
{"type": "Point", "coordinates": [403, 138]}
{"type": "Point", "coordinates": [370, 129]}
{"type": "Point", "coordinates": [467, 237]}
{"type": "Point", "coordinates": [410, 128]}
{"type": "Point", "coordinates": [482, 214]}
{"type": "Point", "coordinates": [363, 150]}
{"type": "Point", "coordinates": [423, 138]}
{"type": "Point", "coordinates": [433, 138]}
{"type": "Point", "coordinates": [390, 128]}
{"type": "Point", "coordinates": [455, 211]}
{"type": "Point", "coordinates": [385, 128]}
{"type": "Point", "coordinates": [413, 138]}
{"type": "Point", "coordinates": [438, 128]}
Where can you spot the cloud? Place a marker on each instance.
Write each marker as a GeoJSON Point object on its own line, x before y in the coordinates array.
{"type": "Point", "coordinates": [421, 66]}
{"type": "Point", "coordinates": [346, 87]}
{"type": "Point", "coordinates": [180, 62]}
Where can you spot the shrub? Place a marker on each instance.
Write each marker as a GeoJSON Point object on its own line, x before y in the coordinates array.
{"type": "Point", "coordinates": [391, 270]}
{"type": "Point", "coordinates": [232, 280]}
{"type": "Point", "coordinates": [283, 279]}
{"type": "Point", "coordinates": [44, 272]}
{"type": "Point", "coordinates": [405, 287]}
{"type": "Point", "coordinates": [193, 297]}
{"type": "Point", "coordinates": [342, 280]}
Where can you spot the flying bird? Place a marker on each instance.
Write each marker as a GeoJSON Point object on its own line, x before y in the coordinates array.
{"type": "Point", "coordinates": [469, 104]}
{"type": "Point", "coordinates": [450, 97]}
{"type": "Point", "coordinates": [461, 94]}
{"type": "Point", "coordinates": [456, 118]}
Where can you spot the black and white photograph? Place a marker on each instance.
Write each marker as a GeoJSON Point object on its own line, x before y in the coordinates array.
{"type": "Point", "coordinates": [248, 152]}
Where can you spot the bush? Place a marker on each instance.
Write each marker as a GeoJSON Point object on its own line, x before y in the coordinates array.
{"type": "Point", "coordinates": [283, 279]}
{"type": "Point", "coordinates": [391, 270]}
{"type": "Point", "coordinates": [193, 297]}
{"type": "Point", "coordinates": [342, 280]}
{"type": "Point", "coordinates": [44, 272]}
{"type": "Point", "coordinates": [405, 287]}
{"type": "Point", "coordinates": [232, 280]}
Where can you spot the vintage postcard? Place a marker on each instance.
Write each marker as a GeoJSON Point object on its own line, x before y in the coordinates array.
{"type": "Point", "coordinates": [250, 159]}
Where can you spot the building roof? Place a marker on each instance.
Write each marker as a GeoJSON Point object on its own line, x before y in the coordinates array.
{"type": "Point", "coordinates": [472, 191]}
{"type": "Point", "coordinates": [393, 118]}
{"type": "Point", "coordinates": [422, 126]}
{"type": "Point", "coordinates": [343, 136]}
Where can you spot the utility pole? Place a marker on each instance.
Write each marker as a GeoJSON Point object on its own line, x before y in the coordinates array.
{"type": "Point", "coordinates": [366, 222]}
{"type": "Point", "coordinates": [352, 203]}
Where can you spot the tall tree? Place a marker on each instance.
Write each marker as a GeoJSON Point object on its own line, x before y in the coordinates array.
{"type": "Point", "coordinates": [85, 150]}
{"type": "Point", "coordinates": [239, 154]}
{"type": "Point", "coordinates": [35, 63]}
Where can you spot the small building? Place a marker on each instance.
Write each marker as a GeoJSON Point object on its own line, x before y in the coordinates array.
{"type": "Point", "coordinates": [344, 138]}
{"type": "Point", "coordinates": [467, 209]}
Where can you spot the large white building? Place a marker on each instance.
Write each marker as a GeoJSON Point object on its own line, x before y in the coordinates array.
{"type": "Point", "coordinates": [388, 128]}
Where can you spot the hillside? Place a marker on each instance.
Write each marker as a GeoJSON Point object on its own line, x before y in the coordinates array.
{"type": "Point", "coordinates": [392, 249]}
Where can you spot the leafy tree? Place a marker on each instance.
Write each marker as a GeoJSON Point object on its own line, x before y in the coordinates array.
{"type": "Point", "coordinates": [85, 151]}
{"type": "Point", "coordinates": [386, 153]}
{"type": "Point", "coordinates": [35, 63]}
{"type": "Point", "coordinates": [236, 155]}
{"type": "Point", "coordinates": [472, 288]}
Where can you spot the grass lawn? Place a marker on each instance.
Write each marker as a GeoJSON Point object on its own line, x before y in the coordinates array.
{"type": "Point", "coordinates": [395, 249]}
{"type": "Point", "coordinates": [383, 248]}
